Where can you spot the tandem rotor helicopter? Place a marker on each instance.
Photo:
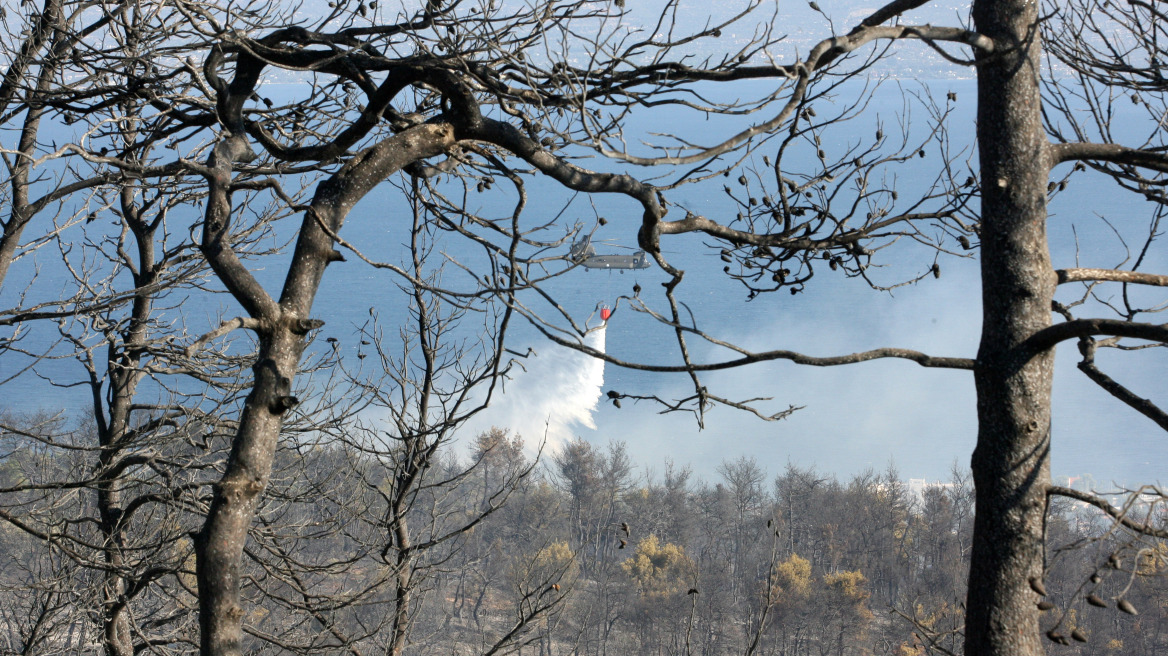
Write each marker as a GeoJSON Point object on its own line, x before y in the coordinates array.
{"type": "Point", "coordinates": [584, 254]}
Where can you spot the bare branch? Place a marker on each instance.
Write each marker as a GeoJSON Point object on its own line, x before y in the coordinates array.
{"type": "Point", "coordinates": [1110, 275]}
{"type": "Point", "coordinates": [1118, 514]}
{"type": "Point", "coordinates": [224, 328]}
{"type": "Point", "coordinates": [1115, 153]}
{"type": "Point", "coordinates": [1146, 407]}
{"type": "Point", "coordinates": [922, 359]}
{"type": "Point", "coordinates": [1047, 338]}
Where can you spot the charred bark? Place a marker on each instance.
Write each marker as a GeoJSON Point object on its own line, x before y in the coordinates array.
{"type": "Point", "coordinates": [282, 328]}
{"type": "Point", "coordinates": [1011, 463]}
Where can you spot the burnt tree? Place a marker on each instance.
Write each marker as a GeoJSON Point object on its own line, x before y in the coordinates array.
{"type": "Point", "coordinates": [468, 94]}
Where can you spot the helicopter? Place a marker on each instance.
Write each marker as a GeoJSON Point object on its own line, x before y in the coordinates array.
{"type": "Point", "coordinates": [584, 254]}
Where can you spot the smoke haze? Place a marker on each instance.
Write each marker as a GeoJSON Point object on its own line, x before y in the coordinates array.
{"type": "Point", "coordinates": [552, 396]}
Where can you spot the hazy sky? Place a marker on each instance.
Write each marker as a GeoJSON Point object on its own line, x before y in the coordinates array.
{"type": "Point", "coordinates": [871, 414]}
{"type": "Point", "coordinates": [854, 417]}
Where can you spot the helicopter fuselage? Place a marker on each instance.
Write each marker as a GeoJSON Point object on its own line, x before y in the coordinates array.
{"type": "Point", "coordinates": [584, 254]}
{"type": "Point", "coordinates": [635, 261]}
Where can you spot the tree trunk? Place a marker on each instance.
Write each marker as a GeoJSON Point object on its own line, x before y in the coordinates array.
{"type": "Point", "coordinates": [281, 328]}
{"type": "Point", "coordinates": [403, 563]}
{"type": "Point", "coordinates": [237, 495]}
{"type": "Point", "coordinates": [125, 372]}
{"type": "Point", "coordinates": [1011, 464]}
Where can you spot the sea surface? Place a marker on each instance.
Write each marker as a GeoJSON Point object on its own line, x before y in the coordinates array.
{"type": "Point", "coordinates": [872, 415]}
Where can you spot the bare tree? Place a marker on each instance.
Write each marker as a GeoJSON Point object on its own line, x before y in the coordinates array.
{"type": "Point", "coordinates": [445, 96]}
{"type": "Point", "coordinates": [112, 497]}
{"type": "Point", "coordinates": [118, 494]}
{"type": "Point", "coordinates": [1012, 370]}
{"type": "Point", "coordinates": [384, 510]}
{"type": "Point", "coordinates": [449, 98]}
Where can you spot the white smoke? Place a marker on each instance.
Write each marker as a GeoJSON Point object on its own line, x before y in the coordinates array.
{"type": "Point", "coordinates": [552, 395]}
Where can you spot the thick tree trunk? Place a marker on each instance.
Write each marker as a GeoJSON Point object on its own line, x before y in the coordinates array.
{"type": "Point", "coordinates": [1011, 464]}
{"type": "Point", "coordinates": [281, 330]}
{"type": "Point", "coordinates": [219, 547]}
{"type": "Point", "coordinates": [117, 639]}
{"type": "Point", "coordinates": [404, 582]}
{"type": "Point", "coordinates": [237, 495]}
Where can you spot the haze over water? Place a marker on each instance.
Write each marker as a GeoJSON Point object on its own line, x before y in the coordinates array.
{"type": "Point", "coordinates": [852, 418]}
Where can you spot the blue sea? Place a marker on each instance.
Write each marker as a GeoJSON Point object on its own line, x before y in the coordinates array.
{"type": "Point", "coordinates": [852, 418]}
